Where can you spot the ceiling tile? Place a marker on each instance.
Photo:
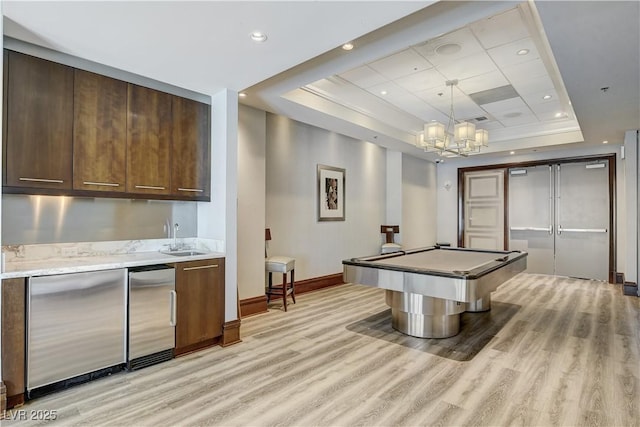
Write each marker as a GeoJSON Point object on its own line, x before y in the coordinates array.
{"type": "Point", "coordinates": [390, 89]}
{"type": "Point", "coordinates": [548, 111]}
{"type": "Point", "coordinates": [525, 71]}
{"type": "Point", "coordinates": [506, 54]}
{"type": "Point", "coordinates": [507, 106]}
{"type": "Point", "coordinates": [483, 82]}
{"type": "Point", "coordinates": [401, 64]}
{"type": "Point", "coordinates": [500, 29]}
{"type": "Point", "coordinates": [536, 98]}
{"type": "Point", "coordinates": [363, 76]}
{"type": "Point", "coordinates": [534, 85]}
{"type": "Point", "coordinates": [511, 119]}
{"type": "Point", "coordinates": [471, 66]}
{"type": "Point", "coordinates": [422, 80]}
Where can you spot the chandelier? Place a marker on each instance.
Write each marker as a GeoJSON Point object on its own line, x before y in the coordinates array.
{"type": "Point", "coordinates": [459, 139]}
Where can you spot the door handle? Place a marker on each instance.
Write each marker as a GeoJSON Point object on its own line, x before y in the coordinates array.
{"type": "Point", "coordinates": [202, 267]}
{"type": "Point", "coordinates": [53, 181]}
{"type": "Point", "coordinates": [173, 299]}
{"type": "Point", "coordinates": [547, 229]}
{"type": "Point", "coordinates": [582, 230]}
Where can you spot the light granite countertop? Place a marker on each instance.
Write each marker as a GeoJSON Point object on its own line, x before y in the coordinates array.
{"type": "Point", "coordinates": [40, 260]}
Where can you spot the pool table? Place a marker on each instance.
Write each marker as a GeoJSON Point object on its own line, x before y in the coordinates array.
{"type": "Point", "coordinates": [428, 288]}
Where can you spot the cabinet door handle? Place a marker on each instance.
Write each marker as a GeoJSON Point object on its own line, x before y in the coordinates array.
{"type": "Point", "coordinates": [200, 267]}
{"type": "Point", "coordinates": [150, 187]}
{"type": "Point", "coordinates": [173, 306]}
{"type": "Point", "coordinates": [108, 184]}
{"type": "Point", "coordinates": [197, 190]}
{"type": "Point", "coordinates": [56, 181]}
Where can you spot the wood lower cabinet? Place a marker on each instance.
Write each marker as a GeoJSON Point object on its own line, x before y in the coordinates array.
{"type": "Point", "coordinates": [39, 123]}
{"type": "Point", "coordinates": [13, 339]}
{"type": "Point", "coordinates": [99, 133]}
{"type": "Point", "coordinates": [200, 308]}
{"type": "Point", "coordinates": [190, 150]}
{"type": "Point", "coordinates": [148, 141]}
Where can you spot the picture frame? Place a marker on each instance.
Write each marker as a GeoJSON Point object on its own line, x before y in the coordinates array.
{"type": "Point", "coordinates": [331, 193]}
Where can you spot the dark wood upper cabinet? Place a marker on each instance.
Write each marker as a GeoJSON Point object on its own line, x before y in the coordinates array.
{"type": "Point", "coordinates": [190, 152]}
{"type": "Point", "coordinates": [148, 141]}
{"type": "Point", "coordinates": [39, 124]}
{"type": "Point", "coordinates": [99, 133]}
{"type": "Point", "coordinates": [68, 131]}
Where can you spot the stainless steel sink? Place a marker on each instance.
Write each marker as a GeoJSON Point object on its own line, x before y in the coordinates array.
{"type": "Point", "coordinates": [184, 253]}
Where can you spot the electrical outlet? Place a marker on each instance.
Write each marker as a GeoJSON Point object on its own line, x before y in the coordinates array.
{"type": "Point", "coordinates": [69, 252]}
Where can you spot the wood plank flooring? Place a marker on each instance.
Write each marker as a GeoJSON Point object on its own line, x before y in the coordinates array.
{"type": "Point", "coordinates": [553, 351]}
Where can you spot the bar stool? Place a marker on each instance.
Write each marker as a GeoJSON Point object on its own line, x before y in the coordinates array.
{"type": "Point", "coordinates": [284, 265]}
{"type": "Point", "coordinates": [389, 231]}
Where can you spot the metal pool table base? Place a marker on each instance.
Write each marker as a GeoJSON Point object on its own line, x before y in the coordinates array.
{"type": "Point", "coordinates": [428, 317]}
{"type": "Point", "coordinates": [425, 290]}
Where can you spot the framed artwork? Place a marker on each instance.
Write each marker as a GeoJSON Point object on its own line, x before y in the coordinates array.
{"type": "Point", "coordinates": [331, 193]}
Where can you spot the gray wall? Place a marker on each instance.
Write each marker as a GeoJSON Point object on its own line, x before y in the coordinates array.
{"type": "Point", "coordinates": [251, 200]}
{"type": "Point", "coordinates": [293, 152]}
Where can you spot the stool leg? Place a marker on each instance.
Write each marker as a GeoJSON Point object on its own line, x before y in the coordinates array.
{"type": "Point", "coordinates": [284, 290]}
{"type": "Point", "coordinates": [269, 290]}
{"type": "Point", "coordinates": [293, 286]}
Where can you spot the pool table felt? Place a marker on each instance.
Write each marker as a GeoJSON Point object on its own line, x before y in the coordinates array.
{"type": "Point", "coordinates": [442, 260]}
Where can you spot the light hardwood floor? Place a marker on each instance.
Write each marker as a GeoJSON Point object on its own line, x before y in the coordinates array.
{"type": "Point", "coordinates": [552, 352]}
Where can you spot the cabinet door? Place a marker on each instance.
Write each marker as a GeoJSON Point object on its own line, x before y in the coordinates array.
{"type": "Point", "coordinates": [13, 339]}
{"type": "Point", "coordinates": [39, 125]}
{"type": "Point", "coordinates": [148, 141]}
{"type": "Point", "coordinates": [99, 133]}
{"type": "Point", "coordinates": [200, 308]}
{"type": "Point", "coordinates": [190, 153]}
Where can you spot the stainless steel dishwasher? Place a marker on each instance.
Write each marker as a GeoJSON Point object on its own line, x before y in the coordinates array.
{"type": "Point", "coordinates": [152, 315]}
{"type": "Point", "coordinates": [76, 328]}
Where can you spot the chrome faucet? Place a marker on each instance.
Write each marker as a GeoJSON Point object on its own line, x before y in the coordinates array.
{"type": "Point", "coordinates": [176, 227]}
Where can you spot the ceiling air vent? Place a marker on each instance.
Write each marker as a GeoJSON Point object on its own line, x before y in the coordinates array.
{"type": "Point", "coordinates": [494, 95]}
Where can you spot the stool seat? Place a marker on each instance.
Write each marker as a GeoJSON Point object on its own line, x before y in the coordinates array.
{"type": "Point", "coordinates": [284, 265]}
{"type": "Point", "coordinates": [280, 264]}
{"type": "Point", "coordinates": [388, 248]}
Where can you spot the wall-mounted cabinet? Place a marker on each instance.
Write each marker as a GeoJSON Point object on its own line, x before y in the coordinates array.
{"type": "Point", "coordinates": [99, 133]}
{"type": "Point", "coordinates": [191, 130]}
{"type": "Point", "coordinates": [148, 141]}
{"type": "Point", "coordinates": [73, 132]}
{"type": "Point", "coordinates": [39, 123]}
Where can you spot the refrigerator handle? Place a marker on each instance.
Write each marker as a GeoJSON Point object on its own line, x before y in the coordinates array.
{"type": "Point", "coordinates": [173, 307]}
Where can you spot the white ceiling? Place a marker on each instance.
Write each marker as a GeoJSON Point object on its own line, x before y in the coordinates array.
{"type": "Point", "coordinates": [576, 48]}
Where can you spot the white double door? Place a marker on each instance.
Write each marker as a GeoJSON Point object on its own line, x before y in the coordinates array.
{"type": "Point", "coordinates": [560, 215]}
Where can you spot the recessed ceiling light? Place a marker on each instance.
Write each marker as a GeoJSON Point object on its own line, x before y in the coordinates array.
{"type": "Point", "coordinates": [605, 142]}
{"type": "Point", "coordinates": [523, 51]}
{"type": "Point", "coordinates": [448, 49]}
{"type": "Point", "coordinates": [242, 95]}
{"type": "Point", "coordinates": [257, 36]}
{"type": "Point", "coordinates": [558, 115]}
{"type": "Point", "coordinates": [512, 152]}
{"type": "Point", "coordinates": [347, 46]}
{"type": "Point", "coordinates": [383, 92]}
{"type": "Point", "coordinates": [546, 97]}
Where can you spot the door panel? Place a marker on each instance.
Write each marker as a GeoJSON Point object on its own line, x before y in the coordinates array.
{"type": "Point", "coordinates": [484, 210]}
{"type": "Point", "coordinates": [582, 211]}
{"type": "Point", "coordinates": [548, 218]}
{"type": "Point", "coordinates": [531, 216]}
